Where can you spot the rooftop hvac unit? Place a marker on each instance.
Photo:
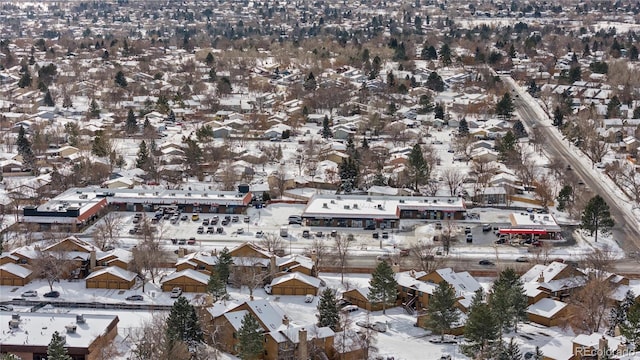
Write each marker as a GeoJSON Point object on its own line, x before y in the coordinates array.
{"type": "Point", "coordinates": [546, 218]}
{"type": "Point", "coordinates": [80, 319]}
{"type": "Point", "coordinates": [401, 201]}
{"type": "Point", "coordinates": [347, 207]}
{"type": "Point", "coordinates": [338, 197]}
{"type": "Point", "coordinates": [333, 201]}
{"type": "Point", "coordinates": [14, 324]}
{"type": "Point", "coordinates": [15, 317]}
{"type": "Point", "coordinates": [380, 206]}
{"type": "Point", "coordinates": [325, 206]}
{"type": "Point", "coordinates": [71, 328]}
{"type": "Point", "coordinates": [355, 206]}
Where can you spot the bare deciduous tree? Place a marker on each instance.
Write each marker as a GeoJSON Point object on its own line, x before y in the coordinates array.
{"type": "Point", "coordinates": [150, 342]}
{"type": "Point", "coordinates": [544, 191]}
{"type": "Point", "coordinates": [147, 255]}
{"type": "Point", "coordinates": [424, 256]}
{"type": "Point", "coordinates": [246, 272]}
{"type": "Point", "coordinates": [600, 262]}
{"type": "Point", "coordinates": [51, 266]}
{"type": "Point", "coordinates": [272, 242]}
{"type": "Point", "coordinates": [319, 252]}
{"type": "Point", "coordinates": [590, 305]}
{"type": "Point", "coordinates": [453, 178]}
{"type": "Point", "coordinates": [341, 253]}
{"type": "Point", "coordinates": [106, 232]}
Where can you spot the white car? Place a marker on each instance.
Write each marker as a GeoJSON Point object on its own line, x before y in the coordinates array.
{"type": "Point", "coordinates": [350, 308]}
{"type": "Point", "coordinates": [308, 298]}
{"type": "Point", "coordinates": [267, 289]}
{"type": "Point", "coordinates": [176, 292]}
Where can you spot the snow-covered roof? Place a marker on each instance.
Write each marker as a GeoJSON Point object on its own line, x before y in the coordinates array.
{"type": "Point", "coordinates": [235, 318]}
{"type": "Point", "coordinates": [462, 282]}
{"type": "Point", "coordinates": [313, 332]}
{"type": "Point", "coordinates": [36, 329]}
{"type": "Point", "coordinates": [549, 272]}
{"type": "Point", "coordinates": [190, 273]}
{"type": "Point", "coordinates": [203, 257]}
{"type": "Point", "coordinates": [593, 340]}
{"type": "Point", "coordinates": [302, 260]}
{"type": "Point", "coordinates": [309, 280]}
{"type": "Point", "coordinates": [268, 313]}
{"type": "Point", "coordinates": [546, 307]}
{"type": "Point", "coordinates": [115, 271]}
{"type": "Point", "coordinates": [16, 270]}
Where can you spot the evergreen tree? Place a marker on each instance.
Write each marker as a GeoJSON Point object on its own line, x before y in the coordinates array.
{"type": "Point", "coordinates": [216, 287]}
{"type": "Point", "coordinates": [510, 352]}
{"type": "Point", "coordinates": [172, 116]}
{"type": "Point", "coordinates": [9, 357]}
{"type": "Point", "coordinates": [66, 101]}
{"type": "Point", "coordinates": [99, 145]}
{"type": "Point", "coordinates": [508, 300]}
{"type": "Point", "coordinates": [209, 60]}
{"type": "Point", "coordinates": [558, 117]}
{"type": "Point", "coordinates": [224, 85]}
{"type": "Point", "coordinates": [142, 161]}
{"type": "Point", "coordinates": [435, 82]}
{"type": "Point", "coordinates": [438, 111]}
{"type": "Point", "coordinates": [425, 104]}
{"type": "Point", "coordinates": [418, 167]}
{"type": "Point", "coordinates": [518, 129]}
{"type": "Point", "coordinates": [310, 82]}
{"type": "Point", "coordinates": [328, 310]}
{"type": "Point", "coordinates": [183, 324]}
{"type": "Point", "coordinates": [349, 174]}
{"type": "Point", "coordinates": [383, 287]}
{"type": "Point", "coordinates": [146, 124]}
{"type": "Point", "coordinates": [445, 54]}
{"type": "Point", "coordinates": [618, 314]}
{"type": "Point", "coordinates": [506, 145]}
{"type": "Point", "coordinates": [441, 311]}
{"type": "Point", "coordinates": [120, 79]}
{"type": "Point", "coordinates": [481, 329]}
{"type": "Point", "coordinates": [564, 196]}
{"type": "Point", "coordinates": [633, 53]}
{"type": "Point", "coordinates": [365, 143]}
{"type": "Point", "coordinates": [613, 107]}
{"type": "Point", "coordinates": [250, 339]}
{"type": "Point", "coordinates": [504, 107]}
{"type": "Point", "coordinates": [597, 217]}
{"type": "Point", "coordinates": [223, 267]}
{"type": "Point", "coordinates": [56, 350]}
{"type": "Point", "coordinates": [131, 126]}
{"type": "Point", "coordinates": [463, 128]}
{"type": "Point", "coordinates": [630, 329]}
{"type": "Point", "coordinates": [94, 109]}
{"type": "Point", "coordinates": [533, 88]}
{"type": "Point", "coordinates": [24, 148]}
{"type": "Point", "coordinates": [428, 52]}
{"type": "Point", "coordinates": [48, 99]}
{"type": "Point", "coordinates": [326, 130]}
{"type": "Point", "coordinates": [25, 80]}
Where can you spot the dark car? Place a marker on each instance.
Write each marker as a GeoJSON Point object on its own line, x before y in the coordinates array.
{"type": "Point", "coordinates": [210, 229]}
{"type": "Point", "coordinates": [205, 222]}
{"type": "Point", "coordinates": [235, 219]}
{"type": "Point", "coordinates": [182, 242]}
{"type": "Point", "coordinates": [485, 262]}
{"type": "Point", "coordinates": [375, 235]}
{"type": "Point", "coordinates": [385, 235]}
{"type": "Point", "coordinates": [135, 298]}
{"type": "Point", "coordinates": [191, 241]}
{"type": "Point", "coordinates": [219, 230]}
{"type": "Point", "coordinates": [306, 234]}
{"type": "Point", "coordinates": [200, 230]}
{"type": "Point", "coordinates": [52, 294]}
{"type": "Point", "coordinates": [225, 222]}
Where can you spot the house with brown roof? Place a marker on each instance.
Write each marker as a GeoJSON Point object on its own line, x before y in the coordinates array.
{"type": "Point", "coordinates": [555, 280]}
{"type": "Point", "coordinates": [295, 283]}
{"type": "Point", "coordinates": [360, 298]}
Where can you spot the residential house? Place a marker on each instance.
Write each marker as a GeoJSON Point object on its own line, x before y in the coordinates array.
{"type": "Point", "coordinates": [111, 277]}
{"type": "Point", "coordinates": [592, 346]}
{"type": "Point", "coordinates": [555, 280]}
{"type": "Point", "coordinates": [188, 280]}
{"type": "Point", "coordinates": [12, 274]}
{"type": "Point", "coordinates": [200, 261]}
{"type": "Point", "coordinates": [117, 257]}
{"type": "Point", "coordinates": [360, 298]}
{"type": "Point", "coordinates": [295, 283]}
{"type": "Point", "coordinates": [547, 312]}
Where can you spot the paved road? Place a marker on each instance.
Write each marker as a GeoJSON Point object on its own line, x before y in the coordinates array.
{"type": "Point", "coordinates": [625, 231]}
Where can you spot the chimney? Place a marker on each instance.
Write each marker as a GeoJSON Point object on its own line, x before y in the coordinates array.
{"type": "Point", "coordinates": [603, 345]}
{"type": "Point", "coordinates": [395, 267]}
{"type": "Point", "coordinates": [303, 351]}
{"type": "Point", "coordinates": [285, 321]}
{"type": "Point", "coordinates": [541, 277]}
{"type": "Point", "coordinates": [273, 268]}
{"type": "Point", "coordinates": [181, 252]}
{"type": "Point", "coordinates": [92, 259]}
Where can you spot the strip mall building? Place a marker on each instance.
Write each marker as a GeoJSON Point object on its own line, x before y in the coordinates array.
{"type": "Point", "coordinates": [363, 211]}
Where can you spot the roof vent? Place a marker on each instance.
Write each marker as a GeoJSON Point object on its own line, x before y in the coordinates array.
{"type": "Point", "coordinates": [380, 206]}
{"type": "Point", "coordinates": [347, 207]}
{"type": "Point", "coordinates": [355, 206]}
{"type": "Point", "coordinates": [401, 201]}
{"type": "Point", "coordinates": [15, 317]}
{"type": "Point", "coordinates": [80, 319]}
{"type": "Point", "coordinates": [14, 324]}
{"type": "Point", "coordinates": [325, 206]}
{"type": "Point", "coordinates": [333, 201]}
{"type": "Point", "coordinates": [71, 328]}
{"type": "Point", "coordinates": [532, 217]}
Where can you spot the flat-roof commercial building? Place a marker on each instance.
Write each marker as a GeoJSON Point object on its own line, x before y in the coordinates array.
{"type": "Point", "coordinates": [369, 212]}
{"type": "Point", "coordinates": [27, 335]}
{"type": "Point", "coordinates": [77, 207]}
{"type": "Point", "coordinates": [529, 225]}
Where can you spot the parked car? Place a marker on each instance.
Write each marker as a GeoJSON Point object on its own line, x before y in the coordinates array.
{"type": "Point", "coordinates": [405, 252]}
{"type": "Point", "coordinates": [319, 234]}
{"type": "Point", "coordinates": [486, 227]}
{"type": "Point", "coordinates": [438, 226]}
{"type": "Point", "coordinates": [375, 235]}
{"type": "Point", "coordinates": [522, 259]}
{"type": "Point", "coordinates": [210, 229]}
{"type": "Point", "coordinates": [240, 231]}
{"type": "Point", "coordinates": [306, 234]}
{"type": "Point", "coordinates": [485, 262]}
{"type": "Point", "coordinates": [225, 222]}
{"type": "Point", "coordinates": [267, 289]}
{"type": "Point", "coordinates": [176, 292]}
{"type": "Point", "coordinates": [377, 326]}
{"type": "Point", "coordinates": [385, 235]}
{"type": "Point", "coordinates": [52, 294]}
{"type": "Point", "coordinates": [235, 219]}
{"type": "Point", "coordinates": [350, 308]}
{"type": "Point", "coordinates": [200, 230]}
{"type": "Point", "coordinates": [342, 303]}
{"type": "Point", "coordinates": [295, 219]}
{"type": "Point", "coordinates": [182, 242]}
{"type": "Point", "coordinates": [467, 230]}
{"type": "Point", "coordinates": [184, 217]}
{"type": "Point", "coordinates": [214, 221]}
{"type": "Point", "coordinates": [469, 238]}
{"type": "Point", "coordinates": [220, 230]}
{"type": "Point", "coordinates": [501, 241]}
{"type": "Point", "coordinates": [30, 293]}
{"type": "Point", "coordinates": [445, 357]}
{"type": "Point", "coordinates": [246, 219]}
{"type": "Point", "coordinates": [195, 217]}
{"type": "Point", "coordinates": [334, 233]}
{"type": "Point", "coordinates": [205, 222]}
{"type": "Point", "coordinates": [259, 234]}
{"type": "Point", "coordinates": [191, 241]}
{"type": "Point", "coordinates": [135, 298]}
{"type": "Point", "coordinates": [6, 308]}
{"type": "Point", "coordinates": [448, 339]}
{"type": "Point", "coordinates": [308, 298]}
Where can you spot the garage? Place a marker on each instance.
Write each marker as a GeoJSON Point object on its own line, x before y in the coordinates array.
{"type": "Point", "coordinates": [295, 284]}
{"type": "Point", "coordinates": [188, 280]}
{"type": "Point", "coordinates": [111, 277]}
{"type": "Point", "coordinates": [14, 275]}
